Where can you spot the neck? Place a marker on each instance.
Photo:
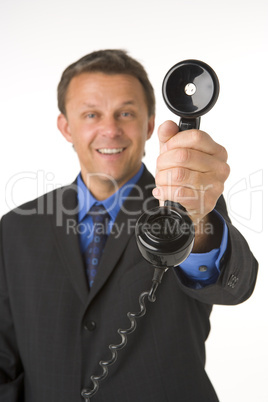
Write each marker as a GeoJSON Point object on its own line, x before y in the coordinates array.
{"type": "Point", "coordinates": [100, 189]}
{"type": "Point", "coordinates": [102, 186]}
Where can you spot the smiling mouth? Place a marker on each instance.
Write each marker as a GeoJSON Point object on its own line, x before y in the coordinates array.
{"type": "Point", "coordinates": [110, 151]}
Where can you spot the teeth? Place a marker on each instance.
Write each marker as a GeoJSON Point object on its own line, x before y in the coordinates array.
{"type": "Point", "coordinates": [110, 150]}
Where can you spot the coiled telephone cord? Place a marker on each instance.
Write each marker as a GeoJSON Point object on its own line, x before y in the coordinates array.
{"type": "Point", "coordinates": [150, 295]}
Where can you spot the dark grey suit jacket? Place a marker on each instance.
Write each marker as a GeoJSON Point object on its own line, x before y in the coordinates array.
{"type": "Point", "coordinates": [54, 331]}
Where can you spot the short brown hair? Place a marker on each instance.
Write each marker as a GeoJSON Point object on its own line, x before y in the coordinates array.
{"type": "Point", "coordinates": [110, 61]}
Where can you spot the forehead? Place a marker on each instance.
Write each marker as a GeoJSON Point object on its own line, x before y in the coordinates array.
{"type": "Point", "coordinates": [100, 87]}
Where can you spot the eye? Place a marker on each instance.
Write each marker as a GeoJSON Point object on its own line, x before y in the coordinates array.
{"type": "Point", "coordinates": [127, 115]}
{"type": "Point", "coordinates": [91, 115]}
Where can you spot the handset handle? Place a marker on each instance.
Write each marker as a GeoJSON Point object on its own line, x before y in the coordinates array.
{"type": "Point", "coordinates": [185, 124]}
{"type": "Point", "coordinates": [189, 124]}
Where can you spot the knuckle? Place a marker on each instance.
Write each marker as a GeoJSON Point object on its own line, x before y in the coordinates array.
{"type": "Point", "coordinates": [225, 170]}
{"type": "Point", "coordinates": [180, 175]}
{"type": "Point", "coordinates": [228, 169]}
{"type": "Point", "coordinates": [182, 155]}
{"type": "Point", "coordinates": [197, 136]}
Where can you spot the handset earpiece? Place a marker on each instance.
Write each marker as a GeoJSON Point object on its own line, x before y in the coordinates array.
{"type": "Point", "coordinates": [165, 235]}
{"type": "Point", "coordinates": [190, 89]}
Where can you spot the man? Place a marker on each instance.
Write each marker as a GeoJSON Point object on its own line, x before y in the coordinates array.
{"type": "Point", "coordinates": [57, 318]}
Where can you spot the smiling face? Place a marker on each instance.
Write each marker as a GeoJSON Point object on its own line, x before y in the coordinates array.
{"type": "Point", "coordinates": [107, 121]}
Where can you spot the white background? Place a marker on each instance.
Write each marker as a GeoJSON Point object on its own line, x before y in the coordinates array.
{"type": "Point", "coordinates": [38, 39]}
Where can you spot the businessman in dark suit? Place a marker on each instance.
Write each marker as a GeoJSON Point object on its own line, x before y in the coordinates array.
{"type": "Point", "coordinates": [55, 322]}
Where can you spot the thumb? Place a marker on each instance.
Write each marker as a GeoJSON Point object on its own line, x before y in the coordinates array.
{"type": "Point", "coordinates": [167, 130]}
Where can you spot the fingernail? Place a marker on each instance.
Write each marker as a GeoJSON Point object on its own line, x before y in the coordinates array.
{"type": "Point", "coordinates": [156, 192]}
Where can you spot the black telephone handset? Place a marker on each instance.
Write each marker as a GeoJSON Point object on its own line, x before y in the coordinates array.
{"type": "Point", "coordinates": [165, 235]}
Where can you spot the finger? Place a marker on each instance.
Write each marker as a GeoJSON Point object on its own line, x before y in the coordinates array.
{"type": "Point", "coordinates": [187, 178]}
{"type": "Point", "coordinates": [192, 160]}
{"type": "Point", "coordinates": [166, 131]}
{"type": "Point", "coordinates": [196, 202]}
{"type": "Point", "coordinates": [198, 140]}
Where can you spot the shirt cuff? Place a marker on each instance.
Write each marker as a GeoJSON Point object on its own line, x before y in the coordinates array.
{"type": "Point", "coordinates": [204, 268]}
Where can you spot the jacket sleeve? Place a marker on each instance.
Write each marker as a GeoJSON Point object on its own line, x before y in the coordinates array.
{"type": "Point", "coordinates": [11, 373]}
{"type": "Point", "coordinates": [238, 270]}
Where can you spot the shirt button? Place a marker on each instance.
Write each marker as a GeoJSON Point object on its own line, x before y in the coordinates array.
{"type": "Point", "coordinates": [203, 268]}
{"type": "Point", "coordinates": [90, 325]}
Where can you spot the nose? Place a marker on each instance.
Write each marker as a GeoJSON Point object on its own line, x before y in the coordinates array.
{"type": "Point", "coordinates": [110, 127]}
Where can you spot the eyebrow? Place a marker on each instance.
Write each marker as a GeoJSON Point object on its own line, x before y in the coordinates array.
{"type": "Point", "coordinates": [128, 102]}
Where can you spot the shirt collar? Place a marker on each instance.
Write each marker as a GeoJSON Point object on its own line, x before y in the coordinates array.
{"type": "Point", "coordinates": [112, 204]}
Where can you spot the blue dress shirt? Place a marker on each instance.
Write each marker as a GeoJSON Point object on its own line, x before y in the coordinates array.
{"type": "Point", "coordinates": [201, 269]}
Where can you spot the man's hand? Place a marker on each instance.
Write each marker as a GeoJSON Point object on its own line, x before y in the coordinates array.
{"type": "Point", "coordinates": [191, 170]}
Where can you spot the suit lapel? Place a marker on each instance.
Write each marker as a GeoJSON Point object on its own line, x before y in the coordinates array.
{"type": "Point", "coordinates": [64, 223]}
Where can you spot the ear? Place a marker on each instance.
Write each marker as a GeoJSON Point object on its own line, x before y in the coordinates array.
{"type": "Point", "coordinates": [64, 128]}
{"type": "Point", "coordinates": [151, 123]}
